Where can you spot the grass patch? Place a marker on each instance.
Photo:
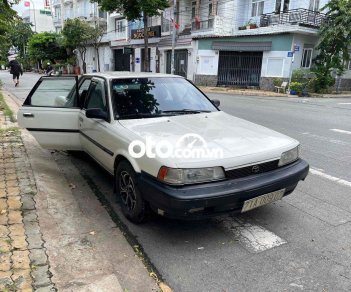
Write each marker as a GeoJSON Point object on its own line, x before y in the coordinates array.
{"type": "Point", "coordinates": [13, 131]}
{"type": "Point", "coordinates": [5, 108]}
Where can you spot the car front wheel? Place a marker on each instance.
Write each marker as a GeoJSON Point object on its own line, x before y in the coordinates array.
{"type": "Point", "coordinates": [132, 203]}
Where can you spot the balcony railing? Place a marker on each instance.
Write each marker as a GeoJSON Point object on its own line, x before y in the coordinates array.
{"type": "Point", "coordinates": [302, 17]}
{"type": "Point", "coordinates": [203, 25]}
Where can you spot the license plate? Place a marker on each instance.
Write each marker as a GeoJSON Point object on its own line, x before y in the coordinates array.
{"type": "Point", "coordinates": [262, 200]}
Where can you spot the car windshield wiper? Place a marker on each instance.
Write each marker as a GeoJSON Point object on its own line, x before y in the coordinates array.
{"type": "Point", "coordinates": [187, 111]}
{"type": "Point", "coordinates": [141, 116]}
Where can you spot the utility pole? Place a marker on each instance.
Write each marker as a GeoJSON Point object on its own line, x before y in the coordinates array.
{"type": "Point", "coordinates": [174, 30]}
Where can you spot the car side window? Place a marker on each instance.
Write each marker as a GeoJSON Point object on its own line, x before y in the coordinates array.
{"type": "Point", "coordinates": [97, 96]}
{"type": "Point", "coordinates": [83, 90]}
{"type": "Point", "coordinates": [53, 92]}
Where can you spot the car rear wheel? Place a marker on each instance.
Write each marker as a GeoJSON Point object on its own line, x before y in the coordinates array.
{"type": "Point", "coordinates": [132, 204]}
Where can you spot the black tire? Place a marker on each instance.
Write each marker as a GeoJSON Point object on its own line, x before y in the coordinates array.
{"type": "Point", "coordinates": [133, 205]}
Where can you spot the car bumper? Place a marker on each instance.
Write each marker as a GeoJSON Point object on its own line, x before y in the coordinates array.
{"type": "Point", "coordinates": [202, 200]}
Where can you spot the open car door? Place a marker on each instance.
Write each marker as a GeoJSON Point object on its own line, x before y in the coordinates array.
{"type": "Point", "coordinates": [50, 113]}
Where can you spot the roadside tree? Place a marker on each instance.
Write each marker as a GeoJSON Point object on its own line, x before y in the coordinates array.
{"type": "Point", "coordinates": [135, 10]}
{"type": "Point", "coordinates": [96, 36]}
{"type": "Point", "coordinates": [78, 35]}
{"type": "Point", "coordinates": [7, 17]}
{"type": "Point", "coordinates": [19, 35]}
{"type": "Point", "coordinates": [46, 46]}
{"type": "Point", "coordinates": [334, 44]}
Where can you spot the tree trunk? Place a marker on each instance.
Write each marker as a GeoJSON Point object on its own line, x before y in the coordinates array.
{"type": "Point", "coordinates": [146, 44]}
{"type": "Point", "coordinates": [82, 57]}
{"type": "Point", "coordinates": [98, 59]}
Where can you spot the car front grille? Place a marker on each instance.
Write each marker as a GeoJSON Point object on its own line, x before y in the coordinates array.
{"type": "Point", "coordinates": [252, 169]}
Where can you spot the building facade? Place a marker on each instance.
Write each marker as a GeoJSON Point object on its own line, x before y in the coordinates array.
{"type": "Point", "coordinates": [90, 12]}
{"type": "Point", "coordinates": [259, 41]}
{"type": "Point", "coordinates": [40, 19]}
{"type": "Point", "coordinates": [219, 42]}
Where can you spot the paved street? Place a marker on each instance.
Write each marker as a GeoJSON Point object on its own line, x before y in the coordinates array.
{"type": "Point", "coordinates": [300, 243]}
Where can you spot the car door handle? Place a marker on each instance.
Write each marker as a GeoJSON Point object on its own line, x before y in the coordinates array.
{"type": "Point", "coordinates": [28, 115]}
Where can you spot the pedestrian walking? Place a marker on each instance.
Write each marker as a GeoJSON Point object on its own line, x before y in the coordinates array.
{"type": "Point", "coordinates": [15, 70]}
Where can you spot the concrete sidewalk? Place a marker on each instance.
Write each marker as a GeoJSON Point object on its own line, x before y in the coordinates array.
{"type": "Point", "coordinates": [66, 240]}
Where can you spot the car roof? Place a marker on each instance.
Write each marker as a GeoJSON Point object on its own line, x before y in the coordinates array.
{"type": "Point", "coordinates": [127, 74]}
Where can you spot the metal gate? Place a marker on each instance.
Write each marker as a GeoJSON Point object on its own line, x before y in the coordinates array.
{"type": "Point", "coordinates": [180, 62]}
{"type": "Point", "coordinates": [239, 68]}
{"type": "Point", "coordinates": [122, 61]}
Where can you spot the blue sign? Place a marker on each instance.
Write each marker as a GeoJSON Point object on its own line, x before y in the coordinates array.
{"type": "Point", "coordinates": [296, 48]}
{"type": "Point", "coordinates": [290, 54]}
{"type": "Point", "coordinates": [137, 60]}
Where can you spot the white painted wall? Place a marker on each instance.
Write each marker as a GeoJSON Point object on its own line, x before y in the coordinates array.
{"type": "Point", "coordinates": [43, 22]}
{"type": "Point", "coordinates": [207, 62]}
{"type": "Point", "coordinates": [275, 64]}
{"type": "Point", "coordinates": [301, 41]}
{"type": "Point", "coordinates": [105, 57]}
{"type": "Point", "coordinates": [137, 54]}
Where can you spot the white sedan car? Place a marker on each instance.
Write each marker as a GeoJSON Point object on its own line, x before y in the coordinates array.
{"type": "Point", "coordinates": [169, 147]}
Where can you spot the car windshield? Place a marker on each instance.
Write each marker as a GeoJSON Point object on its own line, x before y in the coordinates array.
{"type": "Point", "coordinates": [153, 97]}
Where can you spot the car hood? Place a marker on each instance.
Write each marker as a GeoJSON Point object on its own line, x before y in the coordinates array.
{"type": "Point", "coordinates": [242, 142]}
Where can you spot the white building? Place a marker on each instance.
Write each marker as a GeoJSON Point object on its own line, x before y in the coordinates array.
{"type": "Point", "coordinates": [41, 19]}
{"type": "Point", "coordinates": [219, 42]}
{"type": "Point", "coordinates": [85, 10]}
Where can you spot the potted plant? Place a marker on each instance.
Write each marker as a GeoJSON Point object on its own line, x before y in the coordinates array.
{"type": "Point", "coordinates": [71, 62]}
{"type": "Point", "coordinates": [58, 69]}
{"type": "Point", "coordinates": [250, 24]}
{"type": "Point", "coordinates": [295, 88]}
{"type": "Point", "coordinates": [64, 68]}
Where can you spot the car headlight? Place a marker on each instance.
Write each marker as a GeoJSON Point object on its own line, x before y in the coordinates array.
{"type": "Point", "coordinates": [289, 156]}
{"type": "Point", "coordinates": [180, 176]}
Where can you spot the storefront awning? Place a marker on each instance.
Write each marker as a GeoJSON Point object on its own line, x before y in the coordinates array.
{"type": "Point", "coordinates": [242, 46]}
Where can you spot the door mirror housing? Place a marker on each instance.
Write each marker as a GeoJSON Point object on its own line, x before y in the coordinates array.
{"type": "Point", "coordinates": [96, 113]}
{"type": "Point", "coordinates": [216, 102]}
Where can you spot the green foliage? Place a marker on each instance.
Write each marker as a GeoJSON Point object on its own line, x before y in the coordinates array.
{"type": "Point", "coordinates": [323, 79]}
{"type": "Point", "coordinates": [300, 75]}
{"type": "Point", "coordinates": [5, 108]}
{"type": "Point", "coordinates": [335, 40]}
{"type": "Point", "coordinates": [19, 35]}
{"type": "Point", "coordinates": [46, 45]}
{"type": "Point", "coordinates": [277, 81]}
{"type": "Point", "coordinates": [78, 34]}
{"type": "Point", "coordinates": [134, 9]}
{"type": "Point", "coordinates": [7, 17]}
{"type": "Point", "coordinates": [306, 78]}
{"type": "Point", "coordinates": [25, 61]}
{"type": "Point", "coordinates": [296, 86]}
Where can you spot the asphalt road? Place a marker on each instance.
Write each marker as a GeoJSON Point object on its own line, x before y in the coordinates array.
{"type": "Point", "coordinates": [302, 242]}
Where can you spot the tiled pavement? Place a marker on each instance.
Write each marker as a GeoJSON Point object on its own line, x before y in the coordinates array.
{"type": "Point", "coordinates": [23, 261]}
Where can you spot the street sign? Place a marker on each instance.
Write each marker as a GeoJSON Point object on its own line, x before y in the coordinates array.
{"type": "Point", "coordinates": [290, 54]}
{"type": "Point", "coordinates": [296, 48]}
{"type": "Point", "coordinates": [153, 32]}
{"type": "Point", "coordinates": [127, 51]}
{"type": "Point", "coordinates": [137, 60]}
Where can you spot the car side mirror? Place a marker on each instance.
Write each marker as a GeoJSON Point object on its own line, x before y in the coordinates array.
{"type": "Point", "coordinates": [216, 102]}
{"type": "Point", "coordinates": [96, 113]}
